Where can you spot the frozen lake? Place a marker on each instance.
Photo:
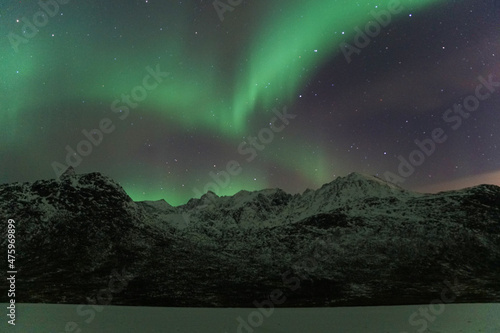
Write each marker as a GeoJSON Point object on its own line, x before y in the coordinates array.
{"type": "Point", "coordinates": [452, 318]}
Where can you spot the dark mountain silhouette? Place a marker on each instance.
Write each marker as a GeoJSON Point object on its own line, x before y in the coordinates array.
{"type": "Point", "coordinates": [355, 241]}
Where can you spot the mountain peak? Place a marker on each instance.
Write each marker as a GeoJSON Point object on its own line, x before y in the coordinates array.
{"type": "Point", "coordinates": [364, 177]}
{"type": "Point", "coordinates": [70, 171]}
{"type": "Point", "coordinates": [209, 196]}
{"type": "Point", "coordinates": [359, 175]}
{"type": "Point", "coordinates": [359, 184]}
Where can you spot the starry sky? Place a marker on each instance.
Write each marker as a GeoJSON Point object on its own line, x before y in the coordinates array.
{"type": "Point", "coordinates": [174, 98]}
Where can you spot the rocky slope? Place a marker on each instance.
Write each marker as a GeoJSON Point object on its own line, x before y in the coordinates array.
{"type": "Point", "coordinates": [357, 240]}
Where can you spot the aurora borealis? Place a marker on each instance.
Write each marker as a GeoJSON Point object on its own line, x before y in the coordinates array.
{"type": "Point", "coordinates": [182, 93]}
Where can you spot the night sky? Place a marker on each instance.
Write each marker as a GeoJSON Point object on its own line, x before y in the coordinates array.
{"type": "Point", "coordinates": [173, 98]}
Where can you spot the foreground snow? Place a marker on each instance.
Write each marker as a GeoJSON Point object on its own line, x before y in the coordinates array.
{"type": "Point", "coordinates": [34, 318]}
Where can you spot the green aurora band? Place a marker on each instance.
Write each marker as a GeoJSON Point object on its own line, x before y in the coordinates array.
{"type": "Point", "coordinates": [200, 93]}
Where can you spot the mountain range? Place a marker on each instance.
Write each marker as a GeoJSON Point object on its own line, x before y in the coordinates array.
{"type": "Point", "coordinates": [357, 240]}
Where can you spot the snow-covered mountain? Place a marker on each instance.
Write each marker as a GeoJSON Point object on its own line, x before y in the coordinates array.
{"type": "Point", "coordinates": [356, 240]}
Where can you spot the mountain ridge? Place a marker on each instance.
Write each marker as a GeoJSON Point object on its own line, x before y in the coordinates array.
{"type": "Point", "coordinates": [373, 243]}
{"type": "Point", "coordinates": [353, 177]}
